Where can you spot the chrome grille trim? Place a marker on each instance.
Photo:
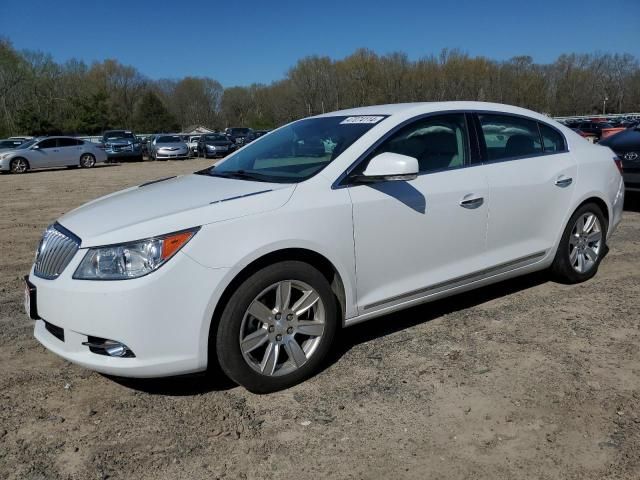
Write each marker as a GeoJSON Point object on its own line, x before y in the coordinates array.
{"type": "Point", "coordinates": [56, 249]}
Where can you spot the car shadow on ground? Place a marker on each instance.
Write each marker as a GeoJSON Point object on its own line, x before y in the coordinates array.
{"type": "Point", "coordinates": [67, 169]}
{"type": "Point", "coordinates": [632, 202]}
{"type": "Point", "coordinates": [215, 380]}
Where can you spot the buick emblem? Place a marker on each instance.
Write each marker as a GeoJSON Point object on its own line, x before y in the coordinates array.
{"type": "Point", "coordinates": [631, 156]}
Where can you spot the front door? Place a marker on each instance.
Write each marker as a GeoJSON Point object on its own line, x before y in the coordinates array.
{"type": "Point", "coordinates": [414, 237]}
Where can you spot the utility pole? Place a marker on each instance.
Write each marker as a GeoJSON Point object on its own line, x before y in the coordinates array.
{"type": "Point", "coordinates": [604, 105]}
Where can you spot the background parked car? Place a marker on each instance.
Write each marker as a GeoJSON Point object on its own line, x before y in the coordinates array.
{"type": "Point", "coordinates": [260, 133]}
{"type": "Point", "coordinates": [214, 145]}
{"type": "Point", "coordinates": [240, 135]}
{"type": "Point", "coordinates": [598, 129]}
{"type": "Point", "coordinates": [10, 144]}
{"type": "Point", "coordinates": [122, 144]}
{"type": "Point", "coordinates": [626, 145]}
{"type": "Point", "coordinates": [192, 142]}
{"type": "Point", "coordinates": [165, 147]}
{"type": "Point", "coordinates": [52, 152]}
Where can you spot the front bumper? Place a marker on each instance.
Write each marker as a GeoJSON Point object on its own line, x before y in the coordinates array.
{"type": "Point", "coordinates": [163, 318]}
{"type": "Point", "coordinates": [172, 154]}
{"type": "Point", "coordinates": [122, 153]}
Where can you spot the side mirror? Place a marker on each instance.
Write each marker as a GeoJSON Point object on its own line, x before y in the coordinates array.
{"type": "Point", "coordinates": [389, 166]}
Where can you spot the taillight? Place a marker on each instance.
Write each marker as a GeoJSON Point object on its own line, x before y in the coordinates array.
{"type": "Point", "coordinates": [618, 162]}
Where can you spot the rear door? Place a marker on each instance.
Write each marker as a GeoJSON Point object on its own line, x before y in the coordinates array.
{"type": "Point", "coordinates": [69, 151]}
{"type": "Point", "coordinates": [531, 178]}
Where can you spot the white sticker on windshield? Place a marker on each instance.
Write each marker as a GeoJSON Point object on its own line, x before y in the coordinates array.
{"type": "Point", "coordinates": [362, 119]}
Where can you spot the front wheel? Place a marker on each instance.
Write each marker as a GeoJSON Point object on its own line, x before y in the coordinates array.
{"type": "Point", "coordinates": [582, 246]}
{"type": "Point", "coordinates": [19, 165]}
{"type": "Point", "coordinates": [87, 160]}
{"type": "Point", "coordinates": [277, 327]}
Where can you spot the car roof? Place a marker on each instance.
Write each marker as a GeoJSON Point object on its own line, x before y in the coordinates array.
{"type": "Point", "coordinates": [428, 107]}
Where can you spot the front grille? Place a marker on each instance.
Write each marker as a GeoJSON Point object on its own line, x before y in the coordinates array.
{"type": "Point", "coordinates": [57, 248]}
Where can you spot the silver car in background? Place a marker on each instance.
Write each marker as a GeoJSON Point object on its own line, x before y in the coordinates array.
{"type": "Point", "coordinates": [192, 143]}
{"type": "Point", "coordinates": [10, 144]}
{"type": "Point", "coordinates": [51, 152]}
{"type": "Point", "coordinates": [165, 147]}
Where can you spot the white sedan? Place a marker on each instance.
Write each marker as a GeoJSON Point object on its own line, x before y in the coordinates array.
{"type": "Point", "coordinates": [49, 152]}
{"type": "Point", "coordinates": [258, 260]}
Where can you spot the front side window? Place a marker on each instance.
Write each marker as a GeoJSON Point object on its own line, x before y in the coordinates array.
{"type": "Point", "coordinates": [48, 143]}
{"type": "Point", "coordinates": [437, 142]}
{"type": "Point", "coordinates": [552, 140]}
{"type": "Point", "coordinates": [297, 151]}
{"type": "Point", "coordinates": [507, 136]}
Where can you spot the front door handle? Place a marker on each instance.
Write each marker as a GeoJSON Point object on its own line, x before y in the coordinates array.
{"type": "Point", "coordinates": [470, 201]}
{"type": "Point", "coordinates": [563, 181]}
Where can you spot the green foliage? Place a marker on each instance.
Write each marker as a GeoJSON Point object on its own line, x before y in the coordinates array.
{"type": "Point", "coordinates": [150, 115]}
{"type": "Point", "coordinates": [38, 95]}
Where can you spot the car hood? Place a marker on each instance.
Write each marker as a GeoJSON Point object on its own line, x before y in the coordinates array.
{"type": "Point", "coordinates": [627, 140]}
{"type": "Point", "coordinates": [171, 204]}
{"type": "Point", "coordinates": [219, 142]}
{"type": "Point", "coordinates": [119, 141]}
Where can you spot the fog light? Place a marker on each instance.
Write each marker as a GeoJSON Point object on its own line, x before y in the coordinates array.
{"type": "Point", "coordinates": [110, 348]}
{"type": "Point", "coordinates": [115, 349]}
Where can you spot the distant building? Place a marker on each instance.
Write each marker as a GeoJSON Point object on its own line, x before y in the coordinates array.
{"type": "Point", "coordinates": [196, 130]}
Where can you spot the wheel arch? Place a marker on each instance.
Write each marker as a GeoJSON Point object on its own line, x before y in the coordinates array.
{"type": "Point", "coordinates": [600, 203]}
{"type": "Point", "coordinates": [311, 257]}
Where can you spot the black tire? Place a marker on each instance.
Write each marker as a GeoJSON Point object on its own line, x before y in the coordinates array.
{"type": "Point", "coordinates": [19, 165]}
{"type": "Point", "coordinates": [562, 268]}
{"type": "Point", "coordinates": [227, 342]}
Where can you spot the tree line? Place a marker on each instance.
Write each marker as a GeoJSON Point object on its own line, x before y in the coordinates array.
{"type": "Point", "coordinates": [41, 96]}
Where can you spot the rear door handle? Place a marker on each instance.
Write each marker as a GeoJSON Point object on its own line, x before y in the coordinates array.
{"type": "Point", "coordinates": [470, 201]}
{"type": "Point", "coordinates": [563, 181]}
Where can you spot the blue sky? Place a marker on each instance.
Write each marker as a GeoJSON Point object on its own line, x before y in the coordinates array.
{"type": "Point", "coordinates": [240, 42]}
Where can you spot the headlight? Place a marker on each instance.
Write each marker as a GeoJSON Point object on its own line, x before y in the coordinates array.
{"type": "Point", "coordinates": [211, 147]}
{"type": "Point", "coordinates": [4, 155]}
{"type": "Point", "coordinates": [131, 260]}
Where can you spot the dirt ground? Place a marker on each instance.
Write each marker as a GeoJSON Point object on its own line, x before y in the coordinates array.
{"type": "Point", "coordinates": [524, 379]}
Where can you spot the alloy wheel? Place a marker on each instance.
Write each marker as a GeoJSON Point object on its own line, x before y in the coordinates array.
{"type": "Point", "coordinates": [282, 328]}
{"type": "Point", "coordinates": [19, 165]}
{"type": "Point", "coordinates": [585, 242]}
{"type": "Point", "coordinates": [87, 160]}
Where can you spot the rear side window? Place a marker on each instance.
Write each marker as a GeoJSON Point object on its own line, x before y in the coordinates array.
{"type": "Point", "coordinates": [438, 142]}
{"type": "Point", "coordinates": [508, 137]}
{"type": "Point", "coordinates": [552, 140]}
{"type": "Point", "coordinates": [67, 142]}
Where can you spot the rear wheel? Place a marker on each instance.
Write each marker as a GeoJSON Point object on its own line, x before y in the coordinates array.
{"type": "Point", "coordinates": [277, 327]}
{"type": "Point", "coordinates": [87, 160]}
{"type": "Point", "coordinates": [583, 245]}
{"type": "Point", "coordinates": [19, 165]}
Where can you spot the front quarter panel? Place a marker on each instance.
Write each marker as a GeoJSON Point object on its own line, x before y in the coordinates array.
{"type": "Point", "coordinates": [316, 218]}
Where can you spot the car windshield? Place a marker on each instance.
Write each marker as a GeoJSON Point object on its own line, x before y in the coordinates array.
{"type": "Point", "coordinates": [238, 131]}
{"type": "Point", "coordinates": [117, 135]}
{"type": "Point", "coordinates": [27, 144]}
{"type": "Point", "coordinates": [297, 151]}
{"type": "Point", "coordinates": [169, 139]}
{"type": "Point", "coordinates": [215, 138]}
